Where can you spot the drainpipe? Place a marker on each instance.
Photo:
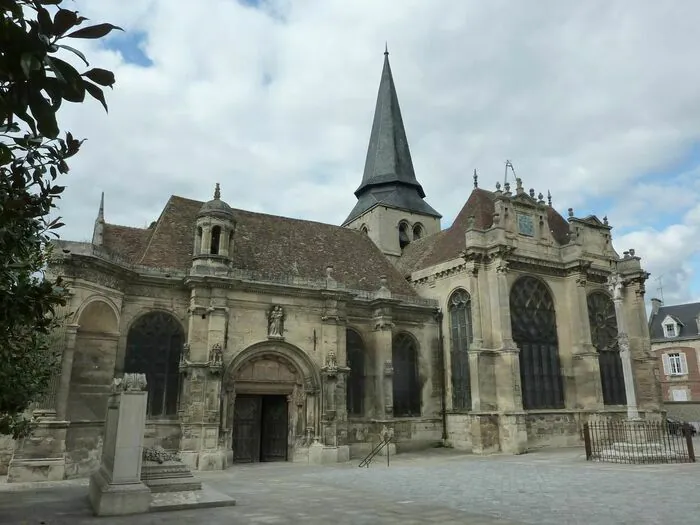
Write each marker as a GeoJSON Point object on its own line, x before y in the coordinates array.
{"type": "Point", "coordinates": [443, 396]}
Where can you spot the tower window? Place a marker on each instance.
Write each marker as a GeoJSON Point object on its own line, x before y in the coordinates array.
{"type": "Point", "coordinates": [215, 240]}
{"type": "Point", "coordinates": [417, 231]}
{"type": "Point", "coordinates": [364, 229]}
{"type": "Point", "coordinates": [404, 239]}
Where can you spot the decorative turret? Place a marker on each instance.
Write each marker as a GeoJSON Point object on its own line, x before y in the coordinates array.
{"type": "Point", "coordinates": [214, 231]}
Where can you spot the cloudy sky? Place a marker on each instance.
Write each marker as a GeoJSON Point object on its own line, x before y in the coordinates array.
{"type": "Point", "coordinates": [597, 101]}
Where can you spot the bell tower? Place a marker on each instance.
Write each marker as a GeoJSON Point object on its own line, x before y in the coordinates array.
{"type": "Point", "coordinates": [213, 237]}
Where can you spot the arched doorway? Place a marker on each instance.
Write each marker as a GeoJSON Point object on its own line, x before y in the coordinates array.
{"type": "Point", "coordinates": [269, 404]}
{"type": "Point", "coordinates": [534, 326]}
{"type": "Point", "coordinates": [153, 347]}
{"type": "Point", "coordinates": [603, 322]}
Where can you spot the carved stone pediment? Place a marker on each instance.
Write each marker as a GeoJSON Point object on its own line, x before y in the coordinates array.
{"type": "Point", "coordinates": [267, 368]}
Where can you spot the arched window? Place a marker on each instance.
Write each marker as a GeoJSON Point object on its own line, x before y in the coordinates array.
{"type": "Point", "coordinates": [364, 229]}
{"type": "Point", "coordinates": [356, 380]}
{"type": "Point", "coordinates": [404, 239]}
{"type": "Point", "coordinates": [153, 347]}
{"type": "Point", "coordinates": [215, 240]}
{"type": "Point", "coordinates": [459, 307]}
{"type": "Point", "coordinates": [534, 325]}
{"type": "Point", "coordinates": [417, 231]}
{"type": "Point", "coordinates": [601, 317]}
{"type": "Point", "coordinates": [407, 394]}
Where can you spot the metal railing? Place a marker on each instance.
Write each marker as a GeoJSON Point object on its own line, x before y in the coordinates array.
{"type": "Point", "coordinates": [384, 443]}
{"type": "Point", "coordinates": [638, 442]}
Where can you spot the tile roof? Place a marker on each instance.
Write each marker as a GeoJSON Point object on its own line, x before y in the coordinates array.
{"type": "Point", "coordinates": [450, 242]}
{"type": "Point", "coordinates": [268, 244]}
{"type": "Point", "coordinates": [686, 314]}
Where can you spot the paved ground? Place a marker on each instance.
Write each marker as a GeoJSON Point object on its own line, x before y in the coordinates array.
{"type": "Point", "coordinates": [441, 486]}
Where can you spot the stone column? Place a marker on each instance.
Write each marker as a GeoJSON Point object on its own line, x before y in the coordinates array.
{"type": "Point", "coordinates": [66, 370]}
{"type": "Point", "coordinates": [512, 425]}
{"type": "Point", "coordinates": [585, 359]}
{"type": "Point", "coordinates": [388, 386]}
{"type": "Point", "coordinates": [477, 342]}
{"type": "Point", "coordinates": [616, 285]}
{"type": "Point", "coordinates": [383, 342]}
{"type": "Point", "coordinates": [116, 488]}
{"type": "Point", "coordinates": [332, 380]}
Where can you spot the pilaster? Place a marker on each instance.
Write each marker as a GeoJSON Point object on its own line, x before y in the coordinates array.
{"type": "Point", "coordinates": [383, 341]}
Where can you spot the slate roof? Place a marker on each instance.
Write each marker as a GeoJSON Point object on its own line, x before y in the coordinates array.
{"type": "Point", "coordinates": [389, 178]}
{"type": "Point", "coordinates": [448, 244]}
{"type": "Point", "coordinates": [268, 244]}
{"type": "Point", "coordinates": [686, 314]}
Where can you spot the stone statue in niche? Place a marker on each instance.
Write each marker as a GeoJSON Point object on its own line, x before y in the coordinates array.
{"type": "Point", "coordinates": [615, 286]}
{"type": "Point", "coordinates": [216, 356]}
{"type": "Point", "coordinates": [331, 361]}
{"type": "Point", "coordinates": [129, 383]}
{"type": "Point", "coordinates": [275, 322]}
{"type": "Point", "coordinates": [185, 355]}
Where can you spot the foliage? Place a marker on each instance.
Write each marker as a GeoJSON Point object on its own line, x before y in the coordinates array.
{"type": "Point", "coordinates": [34, 82]}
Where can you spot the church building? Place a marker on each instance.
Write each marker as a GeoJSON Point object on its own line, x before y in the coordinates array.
{"type": "Point", "coordinates": [266, 338]}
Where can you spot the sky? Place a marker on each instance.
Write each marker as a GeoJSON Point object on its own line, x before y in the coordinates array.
{"type": "Point", "coordinates": [597, 102]}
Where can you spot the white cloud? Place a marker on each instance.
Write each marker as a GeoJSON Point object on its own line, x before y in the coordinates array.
{"type": "Point", "coordinates": [584, 98]}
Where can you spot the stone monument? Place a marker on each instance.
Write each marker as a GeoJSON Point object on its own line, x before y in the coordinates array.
{"type": "Point", "coordinates": [116, 487]}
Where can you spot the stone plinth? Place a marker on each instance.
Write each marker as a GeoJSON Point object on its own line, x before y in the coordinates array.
{"type": "Point", "coordinates": [165, 472]}
{"type": "Point", "coordinates": [116, 488]}
{"type": "Point", "coordinates": [41, 456]}
{"type": "Point", "coordinates": [320, 454]}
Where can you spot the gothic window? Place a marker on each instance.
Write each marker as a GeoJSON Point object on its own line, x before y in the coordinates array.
{"type": "Point", "coordinates": [153, 348]}
{"type": "Point", "coordinates": [215, 240]}
{"type": "Point", "coordinates": [459, 307]}
{"type": "Point", "coordinates": [534, 326]}
{"type": "Point", "coordinates": [407, 393]}
{"type": "Point", "coordinates": [356, 379]}
{"type": "Point", "coordinates": [417, 231]}
{"type": "Point", "coordinates": [601, 317]}
{"type": "Point", "coordinates": [364, 229]}
{"type": "Point", "coordinates": [404, 239]}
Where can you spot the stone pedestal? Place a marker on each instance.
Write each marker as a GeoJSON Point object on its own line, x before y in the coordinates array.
{"type": "Point", "coordinates": [116, 488]}
{"type": "Point", "coordinates": [320, 454]}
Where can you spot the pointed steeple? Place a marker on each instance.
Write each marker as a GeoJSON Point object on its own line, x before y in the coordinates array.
{"type": "Point", "coordinates": [389, 177]}
{"type": "Point", "coordinates": [99, 229]}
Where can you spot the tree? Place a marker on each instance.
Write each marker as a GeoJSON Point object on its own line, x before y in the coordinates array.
{"type": "Point", "coordinates": [34, 82]}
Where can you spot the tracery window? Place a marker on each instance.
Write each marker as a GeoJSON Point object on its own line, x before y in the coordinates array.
{"type": "Point", "coordinates": [407, 394]}
{"type": "Point", "coordinates": [459, 307]}
{"type": "Point", "coordinates": [534, 326]}
{"type": "Point", "coordinates": [356, 380]}
{"type": "Point", "coordinates": [603, 323]}
{"type": "Point", "coordinates": [153, 347]}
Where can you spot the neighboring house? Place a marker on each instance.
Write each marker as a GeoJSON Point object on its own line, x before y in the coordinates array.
{"type": "Point", "coordinates": [675, 340]}
{"type": "Point", "coordinates": [265, 338]}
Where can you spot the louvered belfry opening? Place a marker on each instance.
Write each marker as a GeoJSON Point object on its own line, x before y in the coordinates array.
{"type": "Point", "coordinates": [459, 307]}
{"type": "Point", "coordinates": [603, 323]}
{"type": "Point", "coordinates": [534, 327]}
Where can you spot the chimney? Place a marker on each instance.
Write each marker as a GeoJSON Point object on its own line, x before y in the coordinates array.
{"type": "Point", "coordinates": [655, 305]}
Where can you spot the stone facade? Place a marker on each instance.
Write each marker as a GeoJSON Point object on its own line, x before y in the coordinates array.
{"type": "Point", "coordinates": [265, 338]}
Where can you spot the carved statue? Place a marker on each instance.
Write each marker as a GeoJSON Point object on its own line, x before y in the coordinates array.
{"type": "Point", "coordinates": [275, 322]}
{"type": "Point", "coordinates": [331, 361]}
{"type": "Point", "coordinates": [185, 355]}
{"type": "Point", "coordinates": [129, 383]}
{"type": "Point", "coordinates": [615, 286]}
{"type": "Point", "coordinates": [216, 356]}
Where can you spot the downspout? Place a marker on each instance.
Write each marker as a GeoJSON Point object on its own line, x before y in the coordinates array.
{"type": "Point", "coordinates": [443, 393]}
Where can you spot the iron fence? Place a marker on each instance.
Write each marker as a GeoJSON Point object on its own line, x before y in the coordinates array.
{"type": "Point", "coordinates": [638, 442]}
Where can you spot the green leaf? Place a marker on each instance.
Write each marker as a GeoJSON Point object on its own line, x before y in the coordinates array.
{"type": "Point", "coordinates": [74, 51]}
{"type": "Point", "coordinates": [96, 31]}
{"type": "Point", "coordinates": [100, 76]}
{"type": "Point", "coordinates": [44, 114]}
{"type": "Point", "coordinates": [45, 23]}
{"type": "Point", "coordinates": [65, 19]}
{"type": "Point", "coordinates": [73, 89]}
{"type": "Point", "coordinates": [26, 63]}
{"type": "Point", "coordinates": [96, 93]}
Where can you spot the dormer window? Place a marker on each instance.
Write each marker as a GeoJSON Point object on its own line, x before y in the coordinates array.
{"type": "Point", "coordinates": [670, 330]}
{"type": "Point", "coordinates": [671, 326]}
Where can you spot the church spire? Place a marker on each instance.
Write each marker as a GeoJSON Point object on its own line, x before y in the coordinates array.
{"type": "Point", "coordinates": [99, 229]}
{"type": "Point", "coordinates": [388, 166]}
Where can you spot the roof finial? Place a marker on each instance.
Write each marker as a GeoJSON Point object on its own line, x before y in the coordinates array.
{"type": "Point", "coordinates": [217, 191]}
{"type": "Point", "coordinates": [386, 49]}
{"type": "Point", "coordinates": [476, 179]}
{"type": "Point", "coordinates": [549, 198]}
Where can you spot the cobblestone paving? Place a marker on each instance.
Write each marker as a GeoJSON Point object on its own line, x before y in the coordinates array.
{"type": "Point", "coordinates": [440, 486]}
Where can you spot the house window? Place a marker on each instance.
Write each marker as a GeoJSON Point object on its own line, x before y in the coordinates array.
{"type": "Point", "coordinates": [670, 330]}
{"type": "Point", "coordinates": [675, 364]}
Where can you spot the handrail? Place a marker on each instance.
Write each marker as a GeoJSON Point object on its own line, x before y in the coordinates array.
{"type": "Point", "coordinates": [383, 443]}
